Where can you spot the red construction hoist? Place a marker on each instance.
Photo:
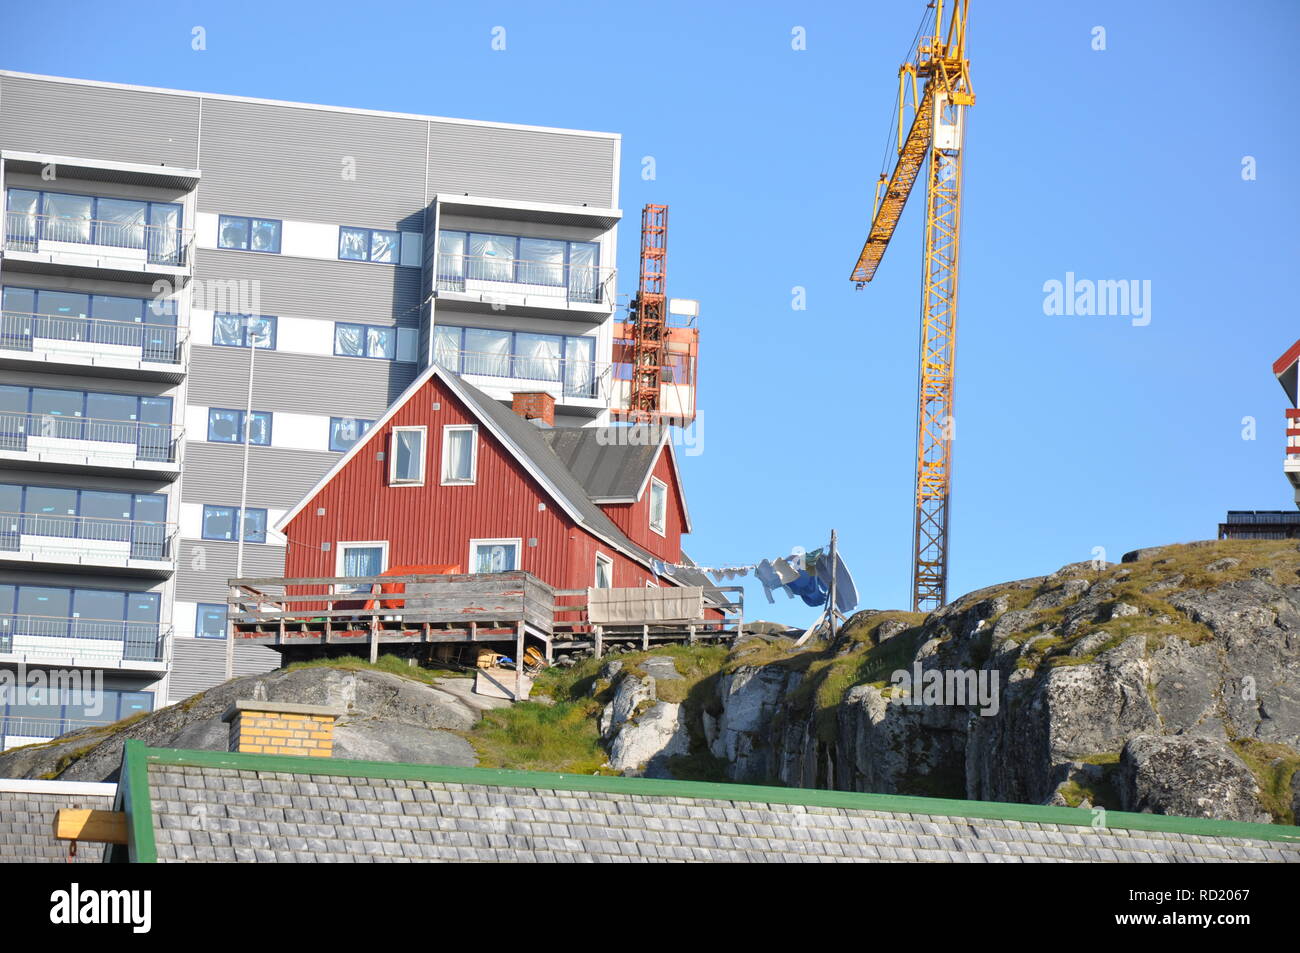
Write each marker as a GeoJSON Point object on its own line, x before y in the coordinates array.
{"type": "Point", "coordinates": [648, 317]}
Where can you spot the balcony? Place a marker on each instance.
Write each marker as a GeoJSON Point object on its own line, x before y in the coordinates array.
{"type": "Point", "coordinates": [91, 542]}
{"type": "Point", "coordinates": [538, 287]}
{"type": "Point", "coordinates": [86, 247]}
{"type": "Point", "coordinates": [55, 442]}
{"type": "Point", "coordinates": [578, 385]}
{"type": "Point", "coordinates": [93, 345]}
{"type": "Point", "coordinates": [84, 643]}
{"type": "Point", "coordinates": [1291, 465]}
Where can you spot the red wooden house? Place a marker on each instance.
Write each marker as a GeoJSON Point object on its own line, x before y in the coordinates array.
{"type": "Point", "coordinates": [450, 476]}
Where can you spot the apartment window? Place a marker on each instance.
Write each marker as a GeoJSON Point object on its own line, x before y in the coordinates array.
{"type": "Point", "coordinates": [459, 454]}
{"type": "Point", "coordinates": [243, 330]}
{"type": "Point", "coordinates": [219, 522]}
{"type": "Point", "coordinates": [249, 234]}
{"type": "Point", "coordinates": [480, 256]}
{"type": "Point", "coordinates": [210, 622]}
{"type": "Point", "coordinates": [604, 572]}
{"type": "Point", "coordinates": [59, 612]}
{"type": "Point", "coordinates": [346, 431]}
{"type": "Point", "coordinates": [658, 505]}
{"type": "Point", "coordinates": [227, 426]}
{"type": "Point", "coordinates": [494, 555]}
{"type": "Point", "coordinates": [148, 324]}
{"type": "Point", "coordinates": [370, 244]}
{"type": "Point", "coordinates": [87, 219]}
{"type": "Point", "coordinates": [569, 359]}
{"type": "Point", "coordinates": [365, 340]}
{"type": "Point", "coordinates": [48, 712]}
{"type": "Point", "coordinates": [406, 464]}
{"type": "Point", "coordinates": [361, 560]}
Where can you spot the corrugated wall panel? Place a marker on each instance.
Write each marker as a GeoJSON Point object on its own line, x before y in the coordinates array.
{"type": "Point", "coordinates": [634, 518]}
{"type": "Point", "coordinates": [218, 559]}
{"type": "Point", "coordinates": [276, 476]}
{"type": "Point", "coordinates": [297, 383]}
{"type": "Point", "coordinates": [199, 664]}
{"type": "Point", "coordinates": [524, 164]}
{"type": "Point", "coordinates": [289, 162]}
{"type": "Point", "coordinates": [305, 287]}
{"type": "Point", "coordinates": [98, 122]}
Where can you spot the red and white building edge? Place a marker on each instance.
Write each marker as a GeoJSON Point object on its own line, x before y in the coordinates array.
{"type": "Point", "coordinates": [1287, 367]}
{"type": "Point", "coordinates": [449, 476]}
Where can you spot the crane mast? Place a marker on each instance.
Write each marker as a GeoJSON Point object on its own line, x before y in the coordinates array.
{"type": "Point", "coordinates": [937, 128]}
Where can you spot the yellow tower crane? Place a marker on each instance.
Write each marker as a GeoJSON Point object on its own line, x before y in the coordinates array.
{"type": "Point", "coordinates": [937, 127]}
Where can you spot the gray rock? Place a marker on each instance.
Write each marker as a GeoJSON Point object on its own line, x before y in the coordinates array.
{"type": "Point", "coordinates": [1168, 582]}
{"type": "Point", "coordinates": [389, 718]}
{"type": "Point", "coordinates": [645, 744]}
{"type": "Point", "coordinates": [1219, 565]}
{"type": "Point", "coordinates": [1122, 609]}
{"type": "Point", "coordinates": [1191, 777]}
{"type": "Point", "coordinates": [749, 697]}
{"type": "Point", "coordinates": [630, 694]}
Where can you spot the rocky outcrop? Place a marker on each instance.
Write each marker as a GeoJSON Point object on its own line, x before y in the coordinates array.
{"type": "Point", "coordinates": [389, 718]}
{"type": "Point", "coordinates": [642, 733]}
{"type": "Point", "coordinates": [1126, 684]}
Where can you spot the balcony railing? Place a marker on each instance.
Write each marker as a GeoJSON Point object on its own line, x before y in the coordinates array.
{"type": "Point", "coordinates": [583, 284]}
{"type": "Point", "coordinates": [140, 441]}
{"type": "Point", "coordinates": [157, 343]}
{"type": "Point", "coordinates": [86, 536]}
{"type": "Point", "coordinates": [575, 378]}
{"type": "Point", "coordinates": [155, 244]}
{"type": "Point", "coordinates": [94, 640]}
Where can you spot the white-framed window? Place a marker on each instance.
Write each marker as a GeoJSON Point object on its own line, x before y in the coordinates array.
{"type": "Point", "coordinates": [658, 506]}
{"type": "Point", "coordinates": [407, 452]}
{"type": "Point", "coordinates": [494, 555]}
{"type": "Point", "coordinates": [604, 572]}
{"type": "Point", "coordinates": [459, 454]}
{"type": "Point", "coordinates": [363, 558]}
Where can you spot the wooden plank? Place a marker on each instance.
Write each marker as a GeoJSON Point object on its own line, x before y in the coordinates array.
{"type": "Point", "coordinates": [99, 827]}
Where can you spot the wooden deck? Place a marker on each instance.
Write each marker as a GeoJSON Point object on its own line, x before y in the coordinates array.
{"type": "Point", "coordinates": [298, 615]}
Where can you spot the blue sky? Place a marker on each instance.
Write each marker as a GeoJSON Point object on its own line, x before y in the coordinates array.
{"type": "Point", "coordinates": [1072, 432]}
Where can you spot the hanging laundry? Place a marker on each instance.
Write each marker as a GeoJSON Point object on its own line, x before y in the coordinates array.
{"type": "Point", "coordinates": [784, 571]}
{"type": "Point", "coordinates": [810, 589]}
{"type": "Point", "coordinates": [767, 576]}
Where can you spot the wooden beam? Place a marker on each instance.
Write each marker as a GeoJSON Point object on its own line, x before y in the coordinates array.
{"type": "Point", "coordinates": [99, 827]}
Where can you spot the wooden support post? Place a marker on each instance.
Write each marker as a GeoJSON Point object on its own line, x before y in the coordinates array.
{"type": "Point", "coordinates": [550, 641]}
{"type": "Point", "coordinates": [830, 599]}
{"type": "Point", "coordinates": [600, 641]}
{"type": "Point", "coordinates": [690, 635]}
{"type": "Point", "coordinates": [645, 638]}
{"type": "Point", "coordinates": [519, 661]}
{"type": "Point", "coordinates": [374, 640]}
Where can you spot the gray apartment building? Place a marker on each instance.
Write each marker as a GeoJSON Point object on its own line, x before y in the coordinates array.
{"type": "Point", "coordinates": [207, 300]}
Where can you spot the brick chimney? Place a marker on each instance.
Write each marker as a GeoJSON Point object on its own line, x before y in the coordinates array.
{"type": "Point", "coordinates": [262, 727]}
{"type": "Point", "coordinates": [535, 405]}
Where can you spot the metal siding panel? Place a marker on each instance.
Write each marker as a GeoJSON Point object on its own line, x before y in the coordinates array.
{"type": "Point", "coordinates": [218, 559]}
{"type": "Point", "coordinates": [331, 290]}
{"type": "Point", "coordinates": [95, 122]}
{"type": "Point", "coordinates": [297, 383]}
{"type": "Point", "coordinates": [521, 164]}
{"type": "Point", "coordinates": [200, 664]}
{"type": "Point", "coordinates": [276, 476]}
{"type": "Point", "coordinates": [287, 162]}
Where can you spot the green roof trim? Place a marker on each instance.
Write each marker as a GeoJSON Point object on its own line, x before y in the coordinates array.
{"type": "Point", "coordinates": [137, 802]}
{"type": "Point", "coordinates": [137, 753]}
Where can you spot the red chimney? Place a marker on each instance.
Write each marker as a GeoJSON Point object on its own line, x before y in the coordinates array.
{"type": "Point", "coordinates": [535, 405]}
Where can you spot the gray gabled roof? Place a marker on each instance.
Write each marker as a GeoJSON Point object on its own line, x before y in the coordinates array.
{"type": "Point", "coordinates": [610, 472]}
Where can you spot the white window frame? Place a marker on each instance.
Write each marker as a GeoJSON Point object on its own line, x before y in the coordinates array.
{"type": "Point", "coordinates": [446, 457]}
{"type": "Point", "coordinates": [651, 585]}
{"type": "Point", "coordinates": [474, 544]}
{"type": "Point", "coordinates": [342, 547]}
{"type": "Point", "coordinates": [392, 456]}
{"type": "Point", "coordinates": [608, 561]}
{"type": "Point", "coordinates": [662, 528]}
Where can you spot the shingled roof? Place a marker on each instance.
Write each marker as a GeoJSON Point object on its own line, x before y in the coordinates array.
{"type": "Point", "coordinates": [27, 819]}
{"type": "Point", "coordinates": [204, 805]}
{"type": "Point", "coordinates": [610, 471]}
